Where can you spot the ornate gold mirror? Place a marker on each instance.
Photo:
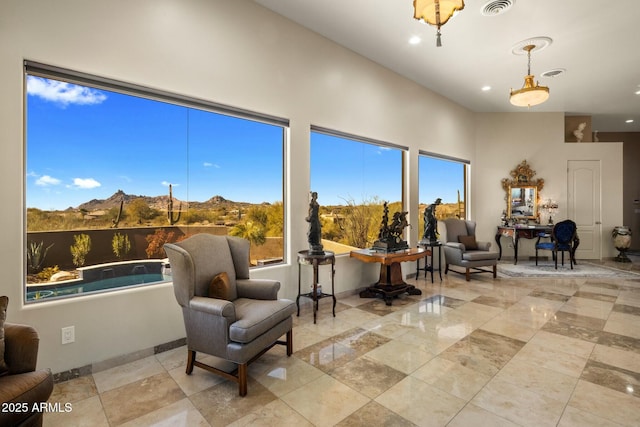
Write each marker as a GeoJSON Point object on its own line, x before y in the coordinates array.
{"type": "Point", "coordinates": [523, 192]}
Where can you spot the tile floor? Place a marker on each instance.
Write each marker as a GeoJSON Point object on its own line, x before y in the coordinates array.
{"type": "Point", "coordinates": [503, 352]}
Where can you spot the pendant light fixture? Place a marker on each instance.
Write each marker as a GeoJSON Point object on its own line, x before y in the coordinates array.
{"type": "Point", "coordinates": [436, 12]}
{"type": "Point", "coordinates": [531, 93]}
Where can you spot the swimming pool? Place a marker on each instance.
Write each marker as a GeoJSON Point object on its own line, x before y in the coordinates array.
{"type": "Point", "coordinates": [102, 285]}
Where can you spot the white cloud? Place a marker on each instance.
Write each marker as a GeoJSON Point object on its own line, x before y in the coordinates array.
{"type": "Point", "coordinates": [85, 183]}
{"type": "Point", "coordinates": [63, 93]}
{"type": "Point", "coordinates": [46, 180]}
{"type": "Point", "coordinates": [167, 183]}
{"type": "Point", "coordinates": [209, 165]}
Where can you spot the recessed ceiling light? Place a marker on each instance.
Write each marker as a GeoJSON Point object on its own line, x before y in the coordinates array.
{"type": "Point", "coordinates": [629, 121]}
{"type": "Point", "coordinates": [486, 88]}
{"type": "Point", "coordinates": [415, 40]}
{"type": "Point", "coordinates": [638, 92]}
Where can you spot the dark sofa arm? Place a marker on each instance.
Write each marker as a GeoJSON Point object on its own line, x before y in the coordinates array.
{"type": "Point", "coordinates": [21, 348]}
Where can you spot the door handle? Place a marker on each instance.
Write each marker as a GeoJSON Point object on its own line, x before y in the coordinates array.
{"type": "Point", "coordinates": [598, 223]}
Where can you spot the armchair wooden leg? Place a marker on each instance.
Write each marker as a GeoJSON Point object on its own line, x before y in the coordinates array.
{"type": "Point", "coordinates": [467, 274]}
{"type": "Point", "coordinates": [191, 357]}
{"type": "Point", "coordinates": [495, 271]}
{"type": "Point", "coordinates": [289, 342]}
{"type": "Point", "coordinates": [242, 379]}
{"type": "Point", "coordinates": [446, 268]}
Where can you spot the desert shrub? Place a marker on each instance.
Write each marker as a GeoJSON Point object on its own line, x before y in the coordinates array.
{"type": "Point", "coordinates": [156, 241]}
{"type": "Point", "coordinates": [36, 253]}
{"type": "Point", "coordinates": [120, 245]}
{"type": "Point", "coordinates": [47, 272]}
{"type": "Point", "coordinates": [80, 249]}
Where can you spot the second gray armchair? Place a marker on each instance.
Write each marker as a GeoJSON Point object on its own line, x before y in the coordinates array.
{"type": "Point", "coordinates": [461, 249]}
{"type": "Point", "coordinates": [226, 313]}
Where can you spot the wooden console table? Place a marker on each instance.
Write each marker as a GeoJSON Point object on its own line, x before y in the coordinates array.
{"type": "Point", "coordinates": [391, 282]}
{"type": "Point", "coordinates": [517, 233]}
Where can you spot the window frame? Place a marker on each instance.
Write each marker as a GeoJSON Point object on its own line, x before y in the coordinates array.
{"type": "Point", "coordinates": [36, 69]}
{"type": "Point", "coordinates": [403, 151]}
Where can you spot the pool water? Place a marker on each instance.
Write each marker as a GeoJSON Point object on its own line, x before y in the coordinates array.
{"type": "Point", "coordinates": [98, 285]}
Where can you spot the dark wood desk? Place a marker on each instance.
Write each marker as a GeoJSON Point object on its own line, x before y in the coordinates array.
{"type": "Point", "coordinates": [517, 233]}
{"type": "Point", "coordinates": [391, 282]}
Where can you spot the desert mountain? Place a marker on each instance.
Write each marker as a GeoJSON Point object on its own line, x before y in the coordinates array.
{"type": "Point", "coordinates": [155, 202]}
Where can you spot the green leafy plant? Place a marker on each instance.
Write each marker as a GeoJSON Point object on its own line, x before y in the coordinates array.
{"type": "Point", "coordinates": [80, 249]}
{"type": "Point", "coordinates": [36, 253]}
{"type": "Point", "coordinates": [120, 245]}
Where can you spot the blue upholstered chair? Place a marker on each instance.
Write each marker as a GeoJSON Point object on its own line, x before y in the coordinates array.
{"type": "Point", "coordinates": [563, 237]}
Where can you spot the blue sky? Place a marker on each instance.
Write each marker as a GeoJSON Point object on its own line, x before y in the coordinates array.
{"type": "Point", "coordinates": [84, 144]}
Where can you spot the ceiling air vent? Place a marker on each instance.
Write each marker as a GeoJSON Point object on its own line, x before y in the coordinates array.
{"type": "Point", "coordinates": [497, 7]}
{"type": "Point", "coordinates": [553, 73]}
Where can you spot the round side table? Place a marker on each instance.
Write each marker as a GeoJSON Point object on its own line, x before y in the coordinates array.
{"type": "Point", "coordinates": [316, 260]}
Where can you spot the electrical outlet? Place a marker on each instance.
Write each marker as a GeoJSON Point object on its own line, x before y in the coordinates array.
{"type": "Point", "coordinates": [68, 334]}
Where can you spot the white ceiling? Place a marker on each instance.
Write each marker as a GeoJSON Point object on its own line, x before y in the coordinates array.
{"type": "Point", "coordinates": [595, 41]}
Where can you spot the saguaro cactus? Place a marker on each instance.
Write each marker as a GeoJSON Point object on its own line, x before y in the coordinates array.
{"type": "Point", "coordinates": [116, 221]}
{"type": "Point", "coordinates": [170, 217]}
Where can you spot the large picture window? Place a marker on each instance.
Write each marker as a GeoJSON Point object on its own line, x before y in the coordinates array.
{"type": "Point", "coordinates": [445, 179]}
{"type": "Point", "coordinates": [113, 172]}
{"type": "Point", "coordinates": [354, 177]}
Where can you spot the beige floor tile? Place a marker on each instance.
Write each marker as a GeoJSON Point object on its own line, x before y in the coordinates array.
{"type": "Point", "coordinates": [617, 357]}
{"type": "Point", "coordinates": [87, 412]}
{"type": "Point", "coordinates": [370, 377]}
{"type": "Point", "coordinates": [401, 356]}
{"type": "Point", "coordinates": [287, 374]}
{"type": "Point", "coordinates": [437, 338]}
{"type": "Point", "coordinates": [623, 324]}
{"type": "Point", "coordinates": [140, 397]}
{"type": "Point", "coordinates": [472, 415]}
{"type": "Point", "coordinates": [452, 377]}
{"type": "Point", "coordinates": [274, 414]}
{"type": "Point", "coordinates": [221, 405]}
{"type": "Point", "coordinates": [521, 406]}
{"type": "Point", "coordinates": [74, 390]}
{"type": "Point", "coordinates": [606, 403]}
{"type": "Point", "coordinates": [538, 380]}
{"type": "Point", "coordinates": [304, 337]}
{"type": "Point", "coordinates": [562, 343]}
{"type": "Point", "coordinates": [128, 373]}
{"type": "Point", "coordinates": [421, 403]}
{"type": "Point", "coordinates": [483, 351]}
{"type": "Point", "coordinates": [178, 414]}
{"type": "Point", "coordinates": [374, 414]}
{"type": "Point", "coordinates": [551, 358]}
{"type": "Point", "coordinates": [588, 307]}
{"type": "Point", "coordinates": [325, 401]}
{"type": "Point", "coordinates": [502, 326]}
{"type": "Point", "coordinates": [200, 379]}
{"type": "Point", "coordinates": [573, 417]}
{"type": "Point", "coordinates": [173, 358]}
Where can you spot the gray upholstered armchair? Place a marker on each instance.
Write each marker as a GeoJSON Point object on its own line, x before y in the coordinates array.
{"type": "Point", "coordinates": [462, 249]}
{"type": "Point", "coordinates": [227, 314]}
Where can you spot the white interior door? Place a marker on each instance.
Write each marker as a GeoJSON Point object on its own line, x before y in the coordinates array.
{"type": "Point", "coordinates": [584, 205]}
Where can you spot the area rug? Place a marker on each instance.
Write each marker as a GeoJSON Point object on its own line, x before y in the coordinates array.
{"type": "Point", "coordinates": [547, 269]}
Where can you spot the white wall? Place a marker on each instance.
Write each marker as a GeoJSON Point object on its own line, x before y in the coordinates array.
{"type": "Point", "coordinates": [230, 52]}
{"type": "Point", "coordinates": [504, 140]}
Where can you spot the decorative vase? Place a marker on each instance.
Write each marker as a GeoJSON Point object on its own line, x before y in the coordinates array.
{"type": "Point", "coordinates": [621, 235]}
